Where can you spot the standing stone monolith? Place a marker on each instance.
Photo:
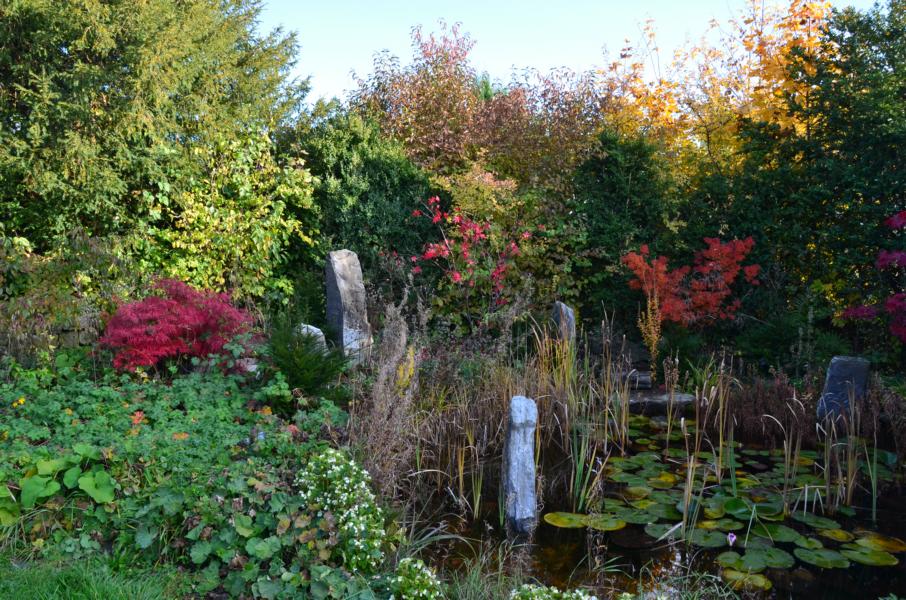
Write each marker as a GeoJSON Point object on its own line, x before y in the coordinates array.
{"type": "Point", "coordinates": [847, 376]}
{"type": "Point", "coordinates": [565, 322]}
{"type": "Point", "coordinates": [519, 466]}
{"type": "Point", "coordinates": [346, 306]}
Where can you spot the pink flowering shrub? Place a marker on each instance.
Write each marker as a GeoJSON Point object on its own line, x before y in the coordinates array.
{"type": "Point", "coordinates": [475, 261]}
{"type": "Point", "coordinates": [891, 266]}
{"type": "Point", "coordinates": [891, 259]}
{"type": "Point", "coordinates": [896, 310]}
{"type": "Point", "coordinates": [896, 221]}
{"type": "Point", "coordinates": [861, 313]}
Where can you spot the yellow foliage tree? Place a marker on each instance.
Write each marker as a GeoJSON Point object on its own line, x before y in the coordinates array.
{"type": "Point", "coordinates": [693, 104]}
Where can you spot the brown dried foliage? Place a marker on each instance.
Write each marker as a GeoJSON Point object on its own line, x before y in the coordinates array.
{"type": "Point", "coordinates": [536, 130]}
{"type": "Point", "coordinates": [382, 419]}
{"type": "Point", "coordinates": [778, 397]}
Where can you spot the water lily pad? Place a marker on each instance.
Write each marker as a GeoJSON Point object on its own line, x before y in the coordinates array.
{"type": "Point", "coordinates": [714, 511]}
{"type": "Point", "coordinates": [665, 480]}
{"type": "Point", "coordinates": [775, 558]}
{"type": "Point", "coordinates": [634, 516]}
{"type": "Point", "coordinates": [753, 561]}
{"type": "Point", "coordinates": [815, 521]}
{"type": "Point", "coordinates": [738, 507]}
{"type": "Point", "coordinates": [637, 492]}
{"type": "Point", "coordinates": [566, 520]}
{"type": "Point", "coordinates": [665, 511]}
{"type": "Point", "coordinates": [707, 539]}
{"type": "Point", "coordinates": [729, 559]}
{"type": "Point", "coordinates": [776, 532]}
{"type": "Point", "coordinates": [874, 558]}
{"type": "Point", "coordinates": [747, 482]}
{"type": "Point", "coordinates": [664, 497]}
{"type": "Point", "coordinates": [808, 543]}
{"type": "Point", "coordinates": [663, 531]}
{"type": "Point", "coordinates": [647, 458]}
{"type": "Point", "coordinates": [876, 541]}
{"type": "Point", "coordinates": [605, 523]}
{"type": "Point", "coordinates": [642, 504]}
{"type": "Point", "coordinates": [650, 472]}
{"type": "Point", "coordinates": [776, 518]}
{"type": "Point", "coordinates": [824, 558]}
{"type": "Point", "coordinates": [754, 541]}
{"type": "Point", "coordinates": [720, 524]}
{"type": "Point", "coordinates": [838, 535]}
{"type": "Point", "coordinates": [740, 581]}
{"type": "Point", "coordinates": [620, 463]}
{"type": "Point", "coordinates": [628, 478]}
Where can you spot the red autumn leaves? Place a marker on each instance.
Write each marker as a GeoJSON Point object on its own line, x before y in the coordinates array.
{"type": "Point", "coordinates": [470, 253]}
{"type": "Point", "coordinates": [695, 294]}
{"type": "Point", "coordinates": [182, 322]}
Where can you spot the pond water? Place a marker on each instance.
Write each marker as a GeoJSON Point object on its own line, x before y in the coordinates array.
{"type": "Point", "coordinates": [736, 528]}
{"type": "Point", "coordinates": [560, 557]}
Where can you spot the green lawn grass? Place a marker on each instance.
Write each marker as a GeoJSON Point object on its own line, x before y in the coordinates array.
{"type": "Point", "coordinates": [87, 580]}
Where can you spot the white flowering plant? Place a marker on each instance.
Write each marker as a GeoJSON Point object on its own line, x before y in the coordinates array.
{"type": "Point", "coordinates": [336, 491]}
{"type": "Point", "coordinates": [414, 580]}
{"type": "Point", "coordinates": [541, 592]}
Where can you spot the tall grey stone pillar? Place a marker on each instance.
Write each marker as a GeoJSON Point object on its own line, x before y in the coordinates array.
{"type": "Point", "coordinates": [564, 322]}
{"type": "Point", "coordinates": [346, 305]}
{"type": "Point", "coordinates": [519, 466]}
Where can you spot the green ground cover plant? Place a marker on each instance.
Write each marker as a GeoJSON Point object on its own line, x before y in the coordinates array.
{"type": "Point", "coordinates": [196, 471]}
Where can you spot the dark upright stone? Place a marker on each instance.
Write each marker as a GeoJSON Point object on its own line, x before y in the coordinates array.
{"type": "Point", "coordinates": [346, 303]}
{"type": "Point", "coordinates": [846, 376]}
{"type": "Point", "coordinates": [565, 322]}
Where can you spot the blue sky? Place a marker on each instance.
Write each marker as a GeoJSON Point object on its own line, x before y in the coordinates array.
{"type": "Point", "coordinates": [339, 37]}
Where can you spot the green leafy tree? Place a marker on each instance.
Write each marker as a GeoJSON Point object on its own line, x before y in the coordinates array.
{"type": "Point", "coordinates": [366, 187]}
{"type": "Point", "coordinates": [232, 227]}
{"type": "Point", "coordinates": [623, 198]}
{"type": "Point", "coordinates": [815, 198]}
{"type": "Point", "coordinates": [100, 101]}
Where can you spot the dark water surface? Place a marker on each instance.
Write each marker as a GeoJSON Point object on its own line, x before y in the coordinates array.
{"type": "Point", "coordinates": [631, 560]}
{"type": "Point", "coordinates": [560, 557]}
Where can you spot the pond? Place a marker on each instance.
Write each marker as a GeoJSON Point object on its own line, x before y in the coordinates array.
{"type": "Point", "coordinates": [773, 526]}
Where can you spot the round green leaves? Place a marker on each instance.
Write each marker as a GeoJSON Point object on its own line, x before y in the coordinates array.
{"type": "Point", "coordinates": [824, 558]}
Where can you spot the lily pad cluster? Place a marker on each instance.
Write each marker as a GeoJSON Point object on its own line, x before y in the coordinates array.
{"type": "Point", "coordinates": [743, 514]}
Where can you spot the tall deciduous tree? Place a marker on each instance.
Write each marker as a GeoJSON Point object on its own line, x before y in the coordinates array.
{"type": "Point", "coordinates": [817, 196]}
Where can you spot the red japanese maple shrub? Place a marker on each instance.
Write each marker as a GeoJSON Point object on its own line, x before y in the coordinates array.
{"type": "Point", "coordinates": [182, 322]}
{"type": "Point", "coordinates": [699, 293]}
